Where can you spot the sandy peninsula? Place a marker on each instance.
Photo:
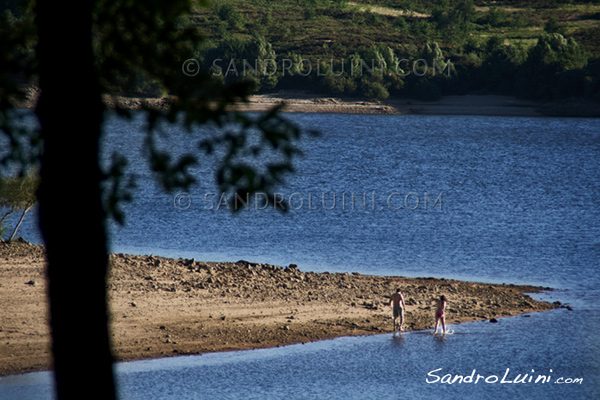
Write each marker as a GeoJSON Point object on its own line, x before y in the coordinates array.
{"type": "Point", "coordinates": [163, 307]}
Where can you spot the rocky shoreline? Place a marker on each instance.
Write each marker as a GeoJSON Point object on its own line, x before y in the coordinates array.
{"type": "Point", "coordinates": [306, 102]}
{"type": "Point", "coordinates": [164, 307]}
{"type": "Point", "coordinates": [483, 105]}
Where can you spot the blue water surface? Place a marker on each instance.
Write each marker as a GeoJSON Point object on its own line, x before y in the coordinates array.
{"type": "Point", "coordinates": [490, 199]}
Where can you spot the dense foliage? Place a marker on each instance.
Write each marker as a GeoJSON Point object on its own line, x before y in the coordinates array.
{"type": "Point", "coordinates": [377, 48]}
{"type": "Point", "coordinates": [543, 49]}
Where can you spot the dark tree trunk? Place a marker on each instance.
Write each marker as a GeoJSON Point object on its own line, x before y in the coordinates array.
{"type": "Point", "coordinates": [71, 215]}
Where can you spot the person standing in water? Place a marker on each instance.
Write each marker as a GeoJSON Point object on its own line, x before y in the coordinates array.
{"type": "Point", "coordinates": [439, 314]}
{"type": "Point", "coordinates": [398, 306]}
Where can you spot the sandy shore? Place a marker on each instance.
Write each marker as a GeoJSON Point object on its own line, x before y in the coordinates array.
{"type": "Point", "coordinates": [490, 105]}
{"type": "Point", "coordinates": [449, 105]}
{"type": "Point", "coordinates": [304, 102]}
{"type": "Point", "coordinates": [164, 307]}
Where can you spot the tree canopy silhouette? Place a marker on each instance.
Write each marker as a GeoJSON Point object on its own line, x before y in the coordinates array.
{"type": "Point", "coordinates": [79, 58]}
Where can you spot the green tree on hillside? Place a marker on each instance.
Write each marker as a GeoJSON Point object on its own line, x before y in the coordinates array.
{"type": "Point", "coordinates": [554, 26]}
{"type": "Point", "coordinates": [230, 15]}
{"type": "Point", "coordinates": [550, 58]}
{"type": "Point", "coordinates": [498, 70]}
{"type": "Point", "coordinates": [454, 20]}
{"type": "Point", "coordinates": [234, 60]}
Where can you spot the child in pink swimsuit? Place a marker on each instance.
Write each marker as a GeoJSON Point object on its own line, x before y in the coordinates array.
{"type": "Point", "coordinates": [439, 313]}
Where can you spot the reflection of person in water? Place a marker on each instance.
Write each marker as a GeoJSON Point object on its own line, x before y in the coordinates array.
{"type": "Point", "coordinates": [439, 313]}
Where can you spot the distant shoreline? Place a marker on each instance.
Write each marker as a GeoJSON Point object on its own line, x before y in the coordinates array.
{"type": "Point", "coordinates": [484, 105]}
{"type": "Point", "coordinates": [304, 102]}
{"type": "Point", "coordinates": [163, 307]}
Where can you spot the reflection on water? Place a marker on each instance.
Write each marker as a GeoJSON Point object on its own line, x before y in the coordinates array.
{"type": "Point", "coordinates": [398, 338]}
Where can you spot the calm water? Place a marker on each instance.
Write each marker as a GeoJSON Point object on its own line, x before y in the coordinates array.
{"type": "Point", "coordinates": [505, 200]}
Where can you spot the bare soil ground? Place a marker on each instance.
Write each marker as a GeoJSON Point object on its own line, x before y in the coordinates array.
{"type": "Point", "coordinates": [164, 307]}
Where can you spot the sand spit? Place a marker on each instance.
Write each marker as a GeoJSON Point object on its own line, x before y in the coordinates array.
{"type": "Point", "coordinates": [166, 307]}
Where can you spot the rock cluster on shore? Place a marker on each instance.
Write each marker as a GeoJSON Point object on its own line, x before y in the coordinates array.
{"type": "Point", "coordinates": [265, 282]}
{"type": "Point", "coordinates": [163, 306]}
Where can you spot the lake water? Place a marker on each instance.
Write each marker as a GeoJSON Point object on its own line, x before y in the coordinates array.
{"type": "Point", "coordinates": [494, 199]}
